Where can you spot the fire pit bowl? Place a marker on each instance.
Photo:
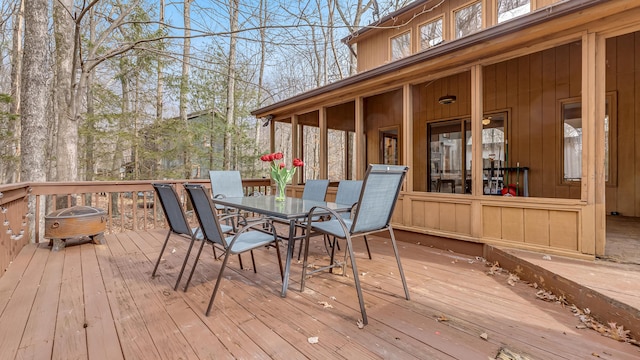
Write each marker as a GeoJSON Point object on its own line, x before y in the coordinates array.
{"type": "Point", "coordinates": [73, 222]}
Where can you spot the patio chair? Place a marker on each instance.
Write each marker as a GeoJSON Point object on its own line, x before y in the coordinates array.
{"type": "Point", "coordinates": [242, 241]}
{"type": "Point", "coordinates": [372, 214]}
{"type": "Point", "coordinates": [315, 190]}
{"type": "Point", "coordinates": [177, 224]}
{"type": "Point", "coordinates": [225, 184]}
{"type": "Point", "coordinates": [348, 193]}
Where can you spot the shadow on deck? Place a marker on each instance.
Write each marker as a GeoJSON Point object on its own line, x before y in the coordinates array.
{"type": "Point", "coordinates": [99, 301]}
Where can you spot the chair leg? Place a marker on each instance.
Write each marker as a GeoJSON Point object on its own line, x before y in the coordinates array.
{"type": "Point", "coordinates": [184, 263]}
{"type": "Point", "coordinates": [305, 242]}
{"type": "Point", "coordinates": [193, 268]}
{"type": "Point", "coordinates": [279, 260]}
{"type": "Point", "coordinates": [240, 261]}
{"type": "Point", "coordinates": [395, 251]}
{"type": "Point", "coordinates": [253, 262]}
{"type": "Point", "coordinates": [356, 280]}
{"type": "Point", "coordinates": [161, 252]}
{"type": "Point", "coordinates": [215, 289]}
{"type": "Point", "coordinates": [366, 243]}
{"type": "Point", "coordinates": [300, 248]}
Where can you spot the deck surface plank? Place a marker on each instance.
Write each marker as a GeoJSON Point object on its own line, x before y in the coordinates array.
{"type": "Point", "coordinates": [37, 338]}
{"type": "Point", "coordinates": [49, 297]}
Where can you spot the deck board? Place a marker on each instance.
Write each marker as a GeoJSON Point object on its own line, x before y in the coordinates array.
{"type": "Point", "coordinates": [48, 298]}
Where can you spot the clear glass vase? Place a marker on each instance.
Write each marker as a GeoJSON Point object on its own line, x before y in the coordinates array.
{"type": "Point", "coordinates": [281, 190]}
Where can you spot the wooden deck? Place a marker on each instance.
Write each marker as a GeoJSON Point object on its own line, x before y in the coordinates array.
{"type": "Point", "coordinates": [99, 302]}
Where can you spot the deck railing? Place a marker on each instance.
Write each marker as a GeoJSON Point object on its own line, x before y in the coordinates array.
{"type": "Point", "coordinates": [130, 205]}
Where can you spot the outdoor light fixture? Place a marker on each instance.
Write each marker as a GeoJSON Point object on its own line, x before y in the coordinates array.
{"type": "Point", "coordinates": [486, 120]}
{"type": "Point", "coordinates": [447, 99]}
{"type": "Point", "coordinates": [267, 120]}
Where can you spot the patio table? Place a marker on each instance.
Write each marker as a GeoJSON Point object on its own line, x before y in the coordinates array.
{"type": "Point", "coordinates": [290, 210]}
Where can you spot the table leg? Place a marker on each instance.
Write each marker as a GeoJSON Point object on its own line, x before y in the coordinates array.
{"type": "Point", "coordinates": [287, 267]}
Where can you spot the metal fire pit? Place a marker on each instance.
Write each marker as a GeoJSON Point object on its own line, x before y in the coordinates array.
{"type": "Point", "coordinates": [74, 222]}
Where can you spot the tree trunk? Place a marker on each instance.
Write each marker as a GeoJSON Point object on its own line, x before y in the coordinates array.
{"type": "Point", "coordinates": [67, 146]}
{"type": "Point", "coordinates": [159, 91]}
{"type": "Point", "coordinates": [184, 84]}
{"type": "Point", "coordinates": [89, 144]}
{"type": "Point", "coordinates": [33, 103]}
{"type": "Point", "coordinates": [230, 152]}
{"type": "Point", "coordinates": [12, 168]}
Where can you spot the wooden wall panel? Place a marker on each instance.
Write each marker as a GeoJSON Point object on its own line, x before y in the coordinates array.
{"type": "Point", "coordinates": [381, 111]}
{"type": "Point", "coordinates": [627, 123]}
{"type": "Point", "coordinates": [463, 219]}
{"type": "Point", "coordinates": [448, 217]}
{"type": "Point", "coordinates": [536, 227]}
{"type": "Point", "coordinates": [417, 213]}
{"type": "Point", "coordinates": [398, 212]}
{"type": "Point", "coordinates": [512, 224]}
{"type": "Point", "coordinates": [432, 215]}
{"type": "Point", "coordinates": [491, 222]}
{"type": "Point", "coordinates": [427, 109]}
{"type": "Point", "coordinates": [563, 229]}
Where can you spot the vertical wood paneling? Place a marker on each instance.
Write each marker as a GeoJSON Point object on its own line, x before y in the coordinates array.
{"type": "Point", "coordinates": [432, 215]}
{"type": "Point", "coordinates": [491, 222]}
{"type": "Point", "coordinates": [635, 55]}
{"type": "Point", "coordinates": [549, 130]}
{"type": "Point", "coordinates": [463, 219]}
{"type": "Point", "coordinates": [536, 227]}
{"type": "Point", "coordinates": [627, 125]}
{"type": "Point", "coordinates": [563, 229]}
{"type": "Point", "coordinates": [512, 224]}
{"type": "Point", "coordinates": [417, 213]}
{"type": "Point", "coordinates": [448, 217]}
{"type": "Point", "coordinates": [537, 138]}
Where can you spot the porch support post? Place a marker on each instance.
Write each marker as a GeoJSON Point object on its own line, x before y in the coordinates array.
{"type": "Point", "coordinates": [323, 158]}
{"type": "Point", "coordinates": [360, 138]}
{"type": "Point", "coordinates": [594, 112]}
{"type": "Point", "coordinates": [476, 150]}
{"type": "Point", "coordinates": [407, 134]}
{"type": "Point", "coordinates": [295, 147]}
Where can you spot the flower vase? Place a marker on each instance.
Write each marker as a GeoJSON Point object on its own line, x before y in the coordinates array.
{"type": "Point", "coordinates": [281, 190]}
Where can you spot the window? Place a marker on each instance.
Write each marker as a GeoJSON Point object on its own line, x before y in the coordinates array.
{"type": "Point", "coordinates": [572, 139]}
{"type": "Point", "coordinates": [341, 145]}
{"type": "Point", "coordinates": [431, 34]}
{"type": "Point", "coordinates": [389, 146]}
{"type": "Point", "coordinates": [509, 9]}
{"type": "Point", "coordinates": [401, 46]}
{"type": "Point", "coordinates": [468, 19]}
{"type": "Point", "coordinates": [494, 155]}
{"type": "Point", "coordinates": [446, 151]}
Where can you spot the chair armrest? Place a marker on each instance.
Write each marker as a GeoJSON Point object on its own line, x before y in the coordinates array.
{"type": "Point", "coordinates": [332, 213]}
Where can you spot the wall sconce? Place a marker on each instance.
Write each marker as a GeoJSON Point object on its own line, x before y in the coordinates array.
{"type": "Point", "coordinates": [486, 121]}
{"type": "Point", "coordinates": [267, 120]}
{"type": "Point", "coordinates": [447, 99]}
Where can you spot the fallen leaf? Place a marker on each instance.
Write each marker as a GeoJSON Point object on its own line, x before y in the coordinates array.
{"type": "Point", "coordinates": [484, 336]}
{"type": "Point", "coordinates": [360, 324]}
{"type": "Point", "coordinates": [546, 257]}
{"type": "Point", "coordinates": [441, 318]}
{"type": "Point", "coordinates": [313, 340]}
{"type": "Point", "coordinates": [325, 304]}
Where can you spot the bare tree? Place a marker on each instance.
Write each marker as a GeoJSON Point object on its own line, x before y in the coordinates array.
{"type": "Point", "coordinates": [184, 83]}
{"type": "Point", "coordinates": [34, 100]}
{"type": "Point", "coordinates": [231, 78]}
{"type": "Point", "coordinates": [11, 168]}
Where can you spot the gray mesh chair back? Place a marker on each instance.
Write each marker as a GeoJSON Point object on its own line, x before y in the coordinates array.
{"type": "Point", "coordinates": [315, 190]}
{"type": "Point", "coordinates": [242, 241]}
{"type": "Point", "coordinates": [177, 223]}
{"type": "Point", "coordinates": [348, 193]}
{"type": "Point", "coordinates": [378, 197]}
{"type": "Point", "coordinates": [226, 183]}
{"type": "Point", "coordinates": [380, 190]}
